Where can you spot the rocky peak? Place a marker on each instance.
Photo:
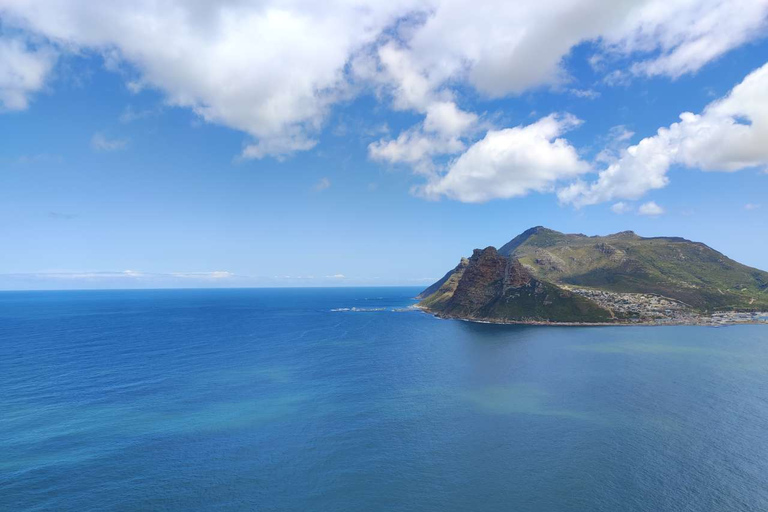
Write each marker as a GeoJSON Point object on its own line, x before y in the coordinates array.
{"type": "Point", "coordinates": [520, 239]}
{"type": "Point", "coordinates": [625, 234]}
{"type": "Point", "coordinates": [484, 254]}
{"type": "Point", "coordinates": [516, 275]}
{"type": "Point", "coordinates": [530, 277]}
{"type": "Point", "coordinates": [482, 280]}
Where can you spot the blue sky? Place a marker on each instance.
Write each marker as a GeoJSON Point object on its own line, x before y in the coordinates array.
{"type": "Point", "coordinates": [368, 156]}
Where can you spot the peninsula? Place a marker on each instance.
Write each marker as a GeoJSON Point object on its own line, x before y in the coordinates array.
{"type": "Point", "coordinates": [544, 276]}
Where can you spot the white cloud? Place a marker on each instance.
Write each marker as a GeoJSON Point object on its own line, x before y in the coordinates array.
{"type": "Point", "coordinates": [650, 209]}
{"type": "Point", "coordinates": [137, 274]}
{"type": "Point", "coordinates": [616, 78]}
{"type": "Point", "coordinates": [511, 163]}
{"type": "Point", "coordinates": [616, 141]}
{"type": "Point", "coordinates": [270, 69]}
{"type": "Point", "coordinates": [323, 184]}
{"type": "Point", "coordinates": [729, 135]}
{"type": "Point", "coordinates": [416, 148]}
{"type": "Point", "coordinates": [684, 35]}
{"type": "Point", "coordinates": [621, 208]}
{"type": "Point", "coordinates": [273, 69]}
{"type": "Point", "coordinates": [444, 124]}
{"type": "Point", "coordinates": [214, 275]}
{"type": "Point", "coordinates": [100, 142]}
{"type": "Point", "coordinates": [507, 48]}
{"type": "Point", "coordinates": [410, 87]}
{"type": "Point", "coordinates": [751, 206]}
{"type": "Point", "coordinates": [23, 71]}
{"type": "Point", "coordinates": [620, 133]}
{"type": "Point", "coordinates": [445, 118]}
{"type": "Point", "coordinates": [589, 94]}
{"type": "Point", "coordinates": [67, 279]}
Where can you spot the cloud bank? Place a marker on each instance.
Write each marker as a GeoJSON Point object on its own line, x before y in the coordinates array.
{"type": "Point", "coordinates": [728, 136]}
{"type": "Point", "coordinates": [273, 70]}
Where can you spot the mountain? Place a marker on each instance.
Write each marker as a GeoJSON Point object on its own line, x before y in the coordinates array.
{"type": "Point", "coordinates": [543, 275]}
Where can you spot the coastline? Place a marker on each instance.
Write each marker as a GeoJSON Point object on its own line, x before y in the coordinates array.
{"type": "Point", "coordinates": [701, 322]}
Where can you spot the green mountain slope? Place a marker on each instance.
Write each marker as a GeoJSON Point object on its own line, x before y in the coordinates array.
{"type": "Point", "coordinates": [552, 263]}
{"type": "Point", "coordinates": [624, 262]}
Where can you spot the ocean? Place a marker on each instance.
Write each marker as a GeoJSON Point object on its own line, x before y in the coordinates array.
{"type": "Point", "coordinates": [344, 400]}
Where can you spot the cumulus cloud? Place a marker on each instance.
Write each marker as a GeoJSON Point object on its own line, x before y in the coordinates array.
{"type": "Point", "coordinates": [621, 208]}
{"type": "Point", "coordinates": [729, 135]}
{"type": "Point", "coordinates": [23, 71]}
{"type": "Point", "coordinates": [407, 81]}
{"type": "Point", "coordinates": [274, 69]}
{"type": "Point", "coordinates": [269, 69]}
{"type": "Point", "coordinates": [650, 209]}
{"type": "Point", "coordinates": [444, 125]}
{"type": "Point", "coordinates": [441, 133]}
{"type": "Point", "coordinates": [511, 163]}
{"type": "Point", "coordinates": [751, 206]}
{"type": "Point", "coordinates": [445, 118]}
{"type": "Point", "coordinates": [683, 35]}
{"type": "Point", "coordinates": [417, 148]}
{"type": "Point", "coordinates": [101, 142]}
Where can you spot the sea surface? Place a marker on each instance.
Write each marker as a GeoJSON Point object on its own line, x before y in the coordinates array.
{"type": "Point", "coordinates": [338, 400]}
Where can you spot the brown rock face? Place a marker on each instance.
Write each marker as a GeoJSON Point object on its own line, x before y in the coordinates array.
{"type": "Point", "coordinates": [516, 275]}
{"type": "Point", "coordinates": [488, 275]}
{"type": "Point", "coordinates": [483, 280]}
{"type": "Point", "coordinates": [491, 286]}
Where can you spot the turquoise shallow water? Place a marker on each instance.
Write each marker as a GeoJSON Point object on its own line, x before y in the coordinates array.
{"type": "Point", "coordinates": [271, 400]}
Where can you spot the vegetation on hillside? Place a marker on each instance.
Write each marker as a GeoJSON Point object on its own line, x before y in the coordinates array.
{"type": "Point", "coordinates": [530, 278]}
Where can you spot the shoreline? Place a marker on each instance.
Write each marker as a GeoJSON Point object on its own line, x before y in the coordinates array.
{"type": "Point", "coordinates": [704, 322]}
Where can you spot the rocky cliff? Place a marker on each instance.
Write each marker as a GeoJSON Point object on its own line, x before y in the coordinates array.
{"type": "Point", "coordinates": [545, 275]}
{"type": "Point", "coordinates": [490, 286]}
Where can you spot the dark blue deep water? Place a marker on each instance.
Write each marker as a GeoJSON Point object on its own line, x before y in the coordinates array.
{"type": "Point", "coordinates": [268, 400]}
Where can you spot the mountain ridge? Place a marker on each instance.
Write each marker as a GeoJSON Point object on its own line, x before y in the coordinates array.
{"type": "Point", "coordinates": [620, 274]}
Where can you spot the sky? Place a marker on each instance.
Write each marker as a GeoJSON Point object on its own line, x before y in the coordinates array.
{"type": "Point", "coordinates": [202, 143]}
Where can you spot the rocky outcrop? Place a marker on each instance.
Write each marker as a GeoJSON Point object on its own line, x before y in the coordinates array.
{"type": "Point", "coordinates": [437, 285]}
{"type": "Point", "coordinates": [516, 275]}
{"type": "Point", "coordinates": [482, 282]}
{"type": "Point", "coordinates": [529, 278]}
{"type": "Point", "coordinates": [491, 286]}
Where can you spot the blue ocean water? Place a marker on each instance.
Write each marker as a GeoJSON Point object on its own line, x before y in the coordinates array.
{"type": "Point", "coordinates": [336, 400]}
